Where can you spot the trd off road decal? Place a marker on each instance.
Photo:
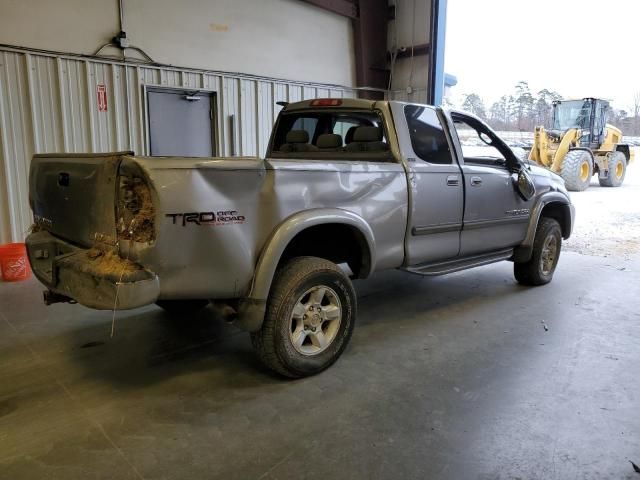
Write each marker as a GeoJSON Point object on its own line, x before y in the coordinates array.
{"type": "Point", "coordinates": [222, 217]}
{"type": "Point", "coordinates": [517, 213]}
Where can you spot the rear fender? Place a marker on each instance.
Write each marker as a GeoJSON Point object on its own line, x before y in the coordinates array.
{"type": "Point", "coordinates": [251, 310]}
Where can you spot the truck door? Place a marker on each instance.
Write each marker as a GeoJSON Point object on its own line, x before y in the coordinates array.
{"type": "Point", "coordinates": [495, 216]}
{"type": "Point", "coordinates": [435, 185]}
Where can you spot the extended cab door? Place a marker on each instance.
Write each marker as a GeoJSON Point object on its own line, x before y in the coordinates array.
{"type": "Point", "coordinates": [495, 216]}
{"type": "Point", "coordinates": [435, 185]}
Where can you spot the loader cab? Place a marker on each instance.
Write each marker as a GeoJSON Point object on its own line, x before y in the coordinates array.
{"type": "Point", "coordinates": [587, 114]}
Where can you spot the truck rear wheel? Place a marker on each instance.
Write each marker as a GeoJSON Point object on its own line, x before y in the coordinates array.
{"type": "Point", "coordinates": [546, 252]}
{"type": "Point", "coordinates": [577, 170]}
{"type": "Point", "coordinates": [310, 317]}
{"type": "Point", "coordinates": [617, 164]}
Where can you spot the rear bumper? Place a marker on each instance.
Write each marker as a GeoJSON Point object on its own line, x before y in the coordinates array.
{"type": "Point", "coordinates": [68, 270]}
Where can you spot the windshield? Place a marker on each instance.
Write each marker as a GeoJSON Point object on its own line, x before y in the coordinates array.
{"type": "Point", "coordinates": [572, 114]}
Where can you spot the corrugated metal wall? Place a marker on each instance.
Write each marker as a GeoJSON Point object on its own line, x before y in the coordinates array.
{"type": "Point", "coordinates": [48, 103]}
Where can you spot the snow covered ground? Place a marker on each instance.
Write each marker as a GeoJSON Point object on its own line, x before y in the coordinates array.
{"type": "Point", "coordinates": [608, 219]}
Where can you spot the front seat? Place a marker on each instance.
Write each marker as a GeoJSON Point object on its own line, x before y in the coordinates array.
{"type": "Point", "coordinates": [297, 141]}
{"type": "Point", "coordinates": [329, 142]}
{"type": "Point", "coordinates": [367, 139]}
{"type": "Point", "coordinates": [348, 138]}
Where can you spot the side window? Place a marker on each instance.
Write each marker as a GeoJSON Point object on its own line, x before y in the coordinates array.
{"type": "Point", "coordinates": [599, 123]}
{"type": "Point", "coordinates": [482, 146]}
{"type": "Point", "coordinates": [341, 127]}
{"type": "Point", "coordinates": [476, 144]}
{"type": "Point", "coordinates": [427, 135]}
{"type": "Point", "coordinates": [346, 128]}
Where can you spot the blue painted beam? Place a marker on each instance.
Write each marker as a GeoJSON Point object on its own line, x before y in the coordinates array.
{"type": "Point", "coordinates": [436, 62]}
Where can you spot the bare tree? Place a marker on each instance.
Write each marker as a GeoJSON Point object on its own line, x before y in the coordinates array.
{"type": "Point", "coordinates": [473, 103]}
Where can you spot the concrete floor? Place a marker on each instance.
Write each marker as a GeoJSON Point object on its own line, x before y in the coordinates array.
{"type": "Point", "coordinates": [446, 378]}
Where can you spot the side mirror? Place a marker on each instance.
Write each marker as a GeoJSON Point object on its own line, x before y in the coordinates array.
{"type": "Point", "coordinates": [525, 186]}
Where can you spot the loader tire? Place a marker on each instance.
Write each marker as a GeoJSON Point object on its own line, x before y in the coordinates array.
{"type": "Point", "coordinates": [544, 259]}
{"type": "Point", "coordinates": [577, 170]}
{"type": "Point", "coordinates": [311, 311]}
{"type": "Point", "coordinates": [617, 164]}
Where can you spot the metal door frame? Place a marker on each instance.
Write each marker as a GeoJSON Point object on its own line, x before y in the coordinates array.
{"type": "Point", "coordinates": [213, 95]}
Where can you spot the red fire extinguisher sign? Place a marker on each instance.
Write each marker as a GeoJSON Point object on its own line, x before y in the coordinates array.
{"type": "Point", "coordinates": [101, 97]}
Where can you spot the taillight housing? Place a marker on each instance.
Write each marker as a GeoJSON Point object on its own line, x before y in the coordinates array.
{"type": "Point", "coordinates": [135, 210]}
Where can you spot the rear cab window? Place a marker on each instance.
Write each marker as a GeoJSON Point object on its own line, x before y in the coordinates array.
{"type": "Point", "coordinates": [331, 133]}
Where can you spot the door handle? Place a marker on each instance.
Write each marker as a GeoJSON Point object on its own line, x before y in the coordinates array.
{"type": "Point", "coordinates": [476, 181]}
{"type": "Point", "coordinates": [453, 181]}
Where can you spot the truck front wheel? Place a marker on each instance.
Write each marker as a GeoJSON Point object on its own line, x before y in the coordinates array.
{"type": "Point", "coordinates": [310, 317]}
{"type": "Point", "coordinates": [544, 259]}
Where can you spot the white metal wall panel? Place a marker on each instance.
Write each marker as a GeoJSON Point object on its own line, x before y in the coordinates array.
{"type": "Point", "coordinates": [17, 144]}
{"type": "Point", "coordinates": [74, 105]}
{"type": "Point", "coordinates": [248, 118]}
{"type": "Point", "coordinates": [230, 116]}
{"type": "Point", "coordinates": [48, 103]}
{"type": "Point", "coordinates": [266, 106]}
{"type": "Point", "coordinates": [44, 99]}
{"type": "Point", "coordinates": [295, 93]}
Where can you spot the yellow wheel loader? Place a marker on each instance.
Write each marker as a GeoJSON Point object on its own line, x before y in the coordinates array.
{"type": "Point", "coordinates": [581, 143]}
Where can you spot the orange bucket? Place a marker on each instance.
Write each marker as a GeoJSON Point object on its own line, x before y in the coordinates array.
{"type": "Point", "coordinates": [13, 262]}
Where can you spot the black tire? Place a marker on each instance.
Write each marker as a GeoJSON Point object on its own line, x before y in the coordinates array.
{"type": "Point", "coordinates": [577, 170]}
{"type": "Point", "coordinates": [617, 165]}
{"type": "Point", "coordinates": [180, 308]}
{"type": "Point", "coordinates": [535, 271]}
{"type": "Point", "coordinates": [274, 343]}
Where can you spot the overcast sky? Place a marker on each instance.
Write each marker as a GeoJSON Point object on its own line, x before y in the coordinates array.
{"type": "Point", "coordinates": [577, 47]}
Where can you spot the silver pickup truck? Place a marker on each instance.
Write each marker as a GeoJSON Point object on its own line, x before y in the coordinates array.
{"type": "Point", "coordinates": [348, 187]}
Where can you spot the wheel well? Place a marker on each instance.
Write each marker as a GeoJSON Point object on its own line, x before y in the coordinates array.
{"type": "Point", "coordinates": [561, 213]}
{"type": "Point", "coordinates": [336, 242]}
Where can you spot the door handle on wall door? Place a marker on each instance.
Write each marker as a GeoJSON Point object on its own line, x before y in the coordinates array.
{"type": "Point", "coordinates": [476, 181]}
{"type": "Point", "coordinates": [452, 180]}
